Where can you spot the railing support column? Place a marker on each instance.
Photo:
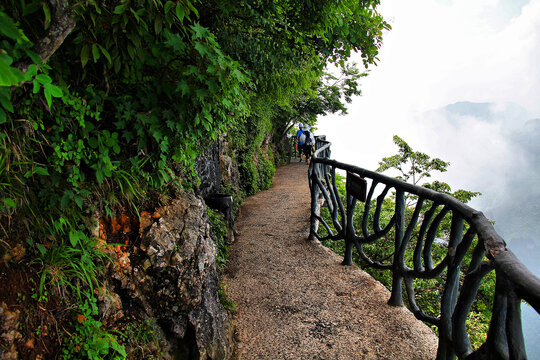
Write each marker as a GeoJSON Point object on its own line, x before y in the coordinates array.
{"type": "Point", "coordinates": [314, 200]}
{"type": "Point", "coordinates": [397, 278]}
{"type": "Point", "coordinates": [347, 259]}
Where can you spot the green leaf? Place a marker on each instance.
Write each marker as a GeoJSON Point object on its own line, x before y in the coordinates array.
{"type": "Point", "coordinates": [200, 31]}
{"type": "Point", "coordinates": [105, 53]}
{"type": "Point", "coordinates": [74, 237]}
{"type": "Point", "coordinates": [9, 203]}
{"type": "Point", "coordinates": [3, 116]}
{"type": "Point", "coordinates": [120, 9]}
{"type": "Point", "coordinates": [180, 12]}
{"type": "Point", "coordinates": [158, 25]}
{"type": "Point", "coordinates": [135, 15]}
{"type": "Point", "coordinates": [34, 57]}
{"type": "Point", "coordinates": [42, 249]}
{"type": "Point", "coordinates": [8, 27]}
{"type": "Point", "coordinates": [93, 142]}
{"type": "Point", "coordinates": [168, 6]}
{"type": "Point", "coordinates": [190, 5]}
{"type": "Point", "coordinates": [55, 90]}
{"type": "Point", "coordinates": [9, 76]}
{"type": "Point", "coordinates": [44, 79]}
{"type": "Point", "coordinates": [131, 51]}
{"type": "Point", "coordinates": [48, 96]}
{"type": "Point", "coordinates": [78, 201]}
{"type": "Point", "coordinates": [47, 13]}
{"type": "Point", "coordinates": [95, 52]}
{"type": "Point", "coordinates": [85, 54]}
{"type": "Point", "coordinates": [201, 48]}
{"type": "Point", "coordinates": [31, 72]}
{"type": "Point", "coordinates": [5, 101]}
{"type": "Point", "coordinates": [99, 176]}
{"type": "Point", "coordinates": [37, 86]}
{"type": "Point", "coordinates": [41, 170]}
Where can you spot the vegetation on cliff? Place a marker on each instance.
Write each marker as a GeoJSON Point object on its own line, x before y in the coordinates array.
{"type": "Point", "coordinates": [104, 108]}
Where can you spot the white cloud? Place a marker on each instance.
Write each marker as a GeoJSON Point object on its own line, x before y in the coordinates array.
{"type": "Point", "coordinates": [442, 53]}
{"type": "Point", "coordinates": [438, 53]}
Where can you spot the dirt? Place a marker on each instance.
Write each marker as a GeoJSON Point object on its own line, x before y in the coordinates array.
{"type": "Point", "coordinates": [29, 326]}
{"type": "Point", "coordinates": [295, 300]}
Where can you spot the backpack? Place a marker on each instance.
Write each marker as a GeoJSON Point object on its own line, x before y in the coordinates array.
{"type": "Point", "coordinates": [308, 138]}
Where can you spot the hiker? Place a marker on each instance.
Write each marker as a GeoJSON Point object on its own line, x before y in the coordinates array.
{"type": "Point", "coordinates": [308, 140]}
{"type": "Point", "coordinates": [299, 142]}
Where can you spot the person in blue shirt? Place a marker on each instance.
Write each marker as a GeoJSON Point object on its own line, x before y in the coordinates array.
{"type": "Point", "coordinates": [298, 142]}
{"type": "Point", "coordinates": [308, 140]}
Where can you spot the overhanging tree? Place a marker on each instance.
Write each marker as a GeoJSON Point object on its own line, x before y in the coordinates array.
{"type": "Point", "coordinates": [102, 103]}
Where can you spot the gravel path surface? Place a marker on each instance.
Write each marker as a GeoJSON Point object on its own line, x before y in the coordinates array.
{"type": "Point", "coordinates": [295, 300]}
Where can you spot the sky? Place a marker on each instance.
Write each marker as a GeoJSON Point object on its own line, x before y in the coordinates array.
{"type": "Point", "coordinates": [459, 80]}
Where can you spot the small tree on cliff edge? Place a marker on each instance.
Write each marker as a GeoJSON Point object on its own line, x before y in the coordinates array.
{"type": "Point", "coordinates": [415, 166]}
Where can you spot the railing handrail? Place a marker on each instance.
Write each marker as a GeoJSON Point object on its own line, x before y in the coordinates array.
{"type": "Point", "coordinates": [325, 145]}
{"type": "Point", "coordinates": [493, 241]}
{"type": "Point", "coordinates": [514, 280]}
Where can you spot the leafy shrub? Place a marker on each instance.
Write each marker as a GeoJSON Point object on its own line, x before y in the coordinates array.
{"type": "Point", "coordinates": [249, 176]}
{"type": "Point", "coordinates": [90, 340]}
{"type": "Point", "coordinates": [220, 231]}
{"type": "Point", "coordinates": [266, 171]}
{"type": "Point", "coordinates": [224, 298]}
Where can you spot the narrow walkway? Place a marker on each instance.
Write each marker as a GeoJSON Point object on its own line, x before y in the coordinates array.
{"type": "Point", "coordinates": [295, 300]}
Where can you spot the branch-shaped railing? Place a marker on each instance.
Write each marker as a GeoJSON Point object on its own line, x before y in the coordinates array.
{"type": "Point", "coordinates": [415, 222]}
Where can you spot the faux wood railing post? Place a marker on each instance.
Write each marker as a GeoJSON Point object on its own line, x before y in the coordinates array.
{"type": "Point", "coordinates": [347, 259]}
{"type": "Point", "coordinates": [396, 299]}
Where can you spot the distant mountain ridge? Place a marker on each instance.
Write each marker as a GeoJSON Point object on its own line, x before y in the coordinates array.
{"type": "Point", "coordinates": [467, 108]}
{"type": "Point", "coordinates": [488, 111]}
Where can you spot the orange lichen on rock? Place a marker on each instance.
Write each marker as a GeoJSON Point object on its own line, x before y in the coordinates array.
{"type": "Point", "coordinates": [145, 221]}
{"type": "Point", "coordinates": [121, 228]}
{"type": "Point", "coordinates": [102, 231]}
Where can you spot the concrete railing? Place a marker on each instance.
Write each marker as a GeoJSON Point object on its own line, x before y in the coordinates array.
{"type": "Point", "coordinates": [416, 221]}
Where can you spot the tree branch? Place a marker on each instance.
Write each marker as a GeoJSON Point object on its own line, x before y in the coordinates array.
{"type": "Point", "coordinates": [62, 23]}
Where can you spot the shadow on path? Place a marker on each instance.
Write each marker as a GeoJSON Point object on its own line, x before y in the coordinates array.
{"type": "Point", "coordinates": [295, 300]}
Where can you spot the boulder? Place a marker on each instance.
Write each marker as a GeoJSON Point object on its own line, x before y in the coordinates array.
{"type": "Point", "coordinates": [172, 277]}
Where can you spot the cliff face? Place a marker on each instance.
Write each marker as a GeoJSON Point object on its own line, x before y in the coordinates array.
{"type": "Point", "coordinates": [159, 293]}
{"type": "Point", "coordinates": [171, 277]}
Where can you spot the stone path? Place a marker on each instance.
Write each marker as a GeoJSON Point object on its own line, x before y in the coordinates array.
{"type": "Point", "coordinates": [295, 300]}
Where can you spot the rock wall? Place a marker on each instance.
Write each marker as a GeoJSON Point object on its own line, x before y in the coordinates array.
{"type": "Point", "coordinates": [208, 168]}
{"type": "Point", "coordinates": [171, 276]}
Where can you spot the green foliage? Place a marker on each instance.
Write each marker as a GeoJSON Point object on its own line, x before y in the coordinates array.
{"type": "Point", "coordinates": [224, 298]}
{"type": "Point", "coordinates": [412, 165]}
{"type": "Point", "coordinates": [140, 338]}
{"type": "Point", "coordinates": [266, 171]}
{"type": "Point", "coordinates": [103, 103]}
{"type": "Point", "coordinates": [249, 176]}
{"type": "Point", "coordinates": [220, 231]}
{"type": "Point", "coordinates": [72, 265]}
{"type": "Point", "coordinates": [255, 175]}
{"type": "Point", "coordinates": [90, 340]}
